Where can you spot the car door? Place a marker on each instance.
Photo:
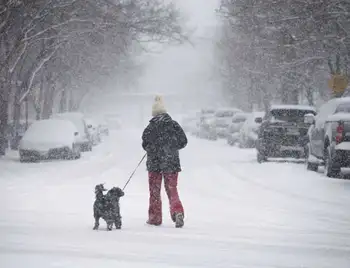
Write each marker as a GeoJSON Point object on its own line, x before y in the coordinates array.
{"type": "Point", "coordinates": [317, 131]}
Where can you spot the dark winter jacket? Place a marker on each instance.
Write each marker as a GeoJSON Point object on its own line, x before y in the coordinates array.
{"type": "Point", "coordinates": [162, 139]}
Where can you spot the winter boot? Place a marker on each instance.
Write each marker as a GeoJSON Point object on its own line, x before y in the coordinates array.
{"type": "Point", "coordinates": [149, 222]}
{"type": "Point", "coordinates": [179, 220]}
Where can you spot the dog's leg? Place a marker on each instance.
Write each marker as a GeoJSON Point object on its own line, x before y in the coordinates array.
{"type": "Point", "coordinates": [118, 223]}
{"type": "Point", "coordinates": [118, 218]}
{"type": "Point", "coordinates": [97, 222]}
{"type": "Point", "coordinates": [109, 225]}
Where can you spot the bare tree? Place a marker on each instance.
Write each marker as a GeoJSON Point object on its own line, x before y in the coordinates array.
{"type": "Point", "coordinates": [281, 48]}
{"type": "Point", "coordinates": [55, 52]}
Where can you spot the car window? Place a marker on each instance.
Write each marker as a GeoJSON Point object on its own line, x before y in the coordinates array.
{"type": "Point", "coordinates": [289, 115]}
{"type": "Point", "coordinates": [225, 114]}
{"type": "Point", "coordinates": [239, 119]}
{"type": "Point", "coordinates": [326, 110]}
{"type": "Point", "coordinates": [343, 108]}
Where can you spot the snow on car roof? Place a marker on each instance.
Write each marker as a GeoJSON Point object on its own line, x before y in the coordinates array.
{"type": "Point", "coordinates": [241, 115]}
{"type": "Point", "coordinates": [291, 106]}
{"type": "Point", "coordinates": [341, 100]}
{"type": "Point", "coordinates": [229, 109]}
{"type": "Point", "coordinates": [50, 130]}
{"type": "Point", "coordinates": [339, 116]}
{"type": "Point", "coordinates": [69, 114]}
{"type": "Point", "coordinates": [258, 113]}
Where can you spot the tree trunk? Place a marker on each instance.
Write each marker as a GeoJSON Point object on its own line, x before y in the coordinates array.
{"type": "Point", "coordinates": [48, 102]}
{"type": "Point", "coordinates": [16, 111]}
{"type": "Point", "coordinates": [27, 113]}
{"type": "Point", "coordinates": [4, 104]}
{"type": "Point", "coordinates": [63, 101]}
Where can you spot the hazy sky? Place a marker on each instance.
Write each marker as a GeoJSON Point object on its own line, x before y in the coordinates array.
{"type": "Point", "coordinates": [186, 69]}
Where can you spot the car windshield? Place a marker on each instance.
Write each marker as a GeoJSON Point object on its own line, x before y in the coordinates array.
{"type": "Point", "coordinates": [221, 123]}
{"type": "Point", "coordinates": [225, 114]}
{"type": "Point", "coordinates": [343, 108]}
{"type": "Point", "coordinates": [290, 115]}
{"type": "Point", "coordinates": [239, 119]}
{"type": "Point", "coordinates": [207, 111]}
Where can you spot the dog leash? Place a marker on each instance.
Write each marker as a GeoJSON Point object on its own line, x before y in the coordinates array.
{"type": "Point", "coordinates": [132, 174]}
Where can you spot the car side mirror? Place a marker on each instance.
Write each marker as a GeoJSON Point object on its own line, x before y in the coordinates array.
{"type": "Point", "coordinates": [76, 133]}
{"type": "Point", "coordinates": [309, 119]}
{"type": "Point", "coordinates": [258, 120]}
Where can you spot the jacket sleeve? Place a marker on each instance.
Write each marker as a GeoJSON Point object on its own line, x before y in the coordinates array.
{"type": "Point", "coordinates": [180, 135]}
{"type": "Point", "coordinates": [146, 138]}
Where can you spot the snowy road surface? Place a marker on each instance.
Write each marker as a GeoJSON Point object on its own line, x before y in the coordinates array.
{"type": "Point", "coordinates": [238, 213]}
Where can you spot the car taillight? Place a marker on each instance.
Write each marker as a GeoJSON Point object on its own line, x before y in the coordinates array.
{"type": "Point", "coordinates": [340, 133]}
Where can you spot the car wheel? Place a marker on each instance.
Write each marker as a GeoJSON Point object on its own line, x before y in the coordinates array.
{"type": "Point", "coordinates": [75, 154]}
{"type": "Point", "coordinates": [261, 157]}
{"type": "Point", "coordinates": [329, 169]}
{"type": "Point", "coordinates": [86, 147]}
{"type": "Point", "coordinates": [309, 166]}
{"type": "Point", "coordinates": [89, 147]}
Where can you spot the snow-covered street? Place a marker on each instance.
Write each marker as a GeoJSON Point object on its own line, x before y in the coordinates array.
{"type": "Point", "coordinates": [238, 213]}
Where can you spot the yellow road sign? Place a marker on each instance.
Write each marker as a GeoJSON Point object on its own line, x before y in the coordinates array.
{"type": "Point", "coordinates": [338, 83]}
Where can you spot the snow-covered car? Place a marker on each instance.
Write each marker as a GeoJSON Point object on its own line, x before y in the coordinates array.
{"type": "Point", "coordinates": [248, 134]}
{"type": "Point", "coordinates": [102, 125]}
{"type": "Point", "coordinates": [104, 130]}
{"type": "Point", "coordinates": [283, 133]}
{"type": "Point", "coordinates": [84, 139]}
{"type": "Point", "coordinates": [223, 119]}
{"type": "Point", "coordinates": [206, 128]}
{"type": "Point", "coordinates": [94, 131]}
{"type": "Point", "coordinates": [49, 139]}
{"type": "Point", "coordinates": [207, 112]}
{"type": "Point", "coordinates": [235, 126]}
{"type": "Point", "coordinates": [329, 137]}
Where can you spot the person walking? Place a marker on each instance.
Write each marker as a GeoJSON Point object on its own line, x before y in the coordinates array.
{"type": "Point", "coordinates": [162, 139]}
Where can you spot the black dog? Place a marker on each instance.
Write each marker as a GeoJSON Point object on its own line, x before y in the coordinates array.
{"type": "Point", "coordinates": [107, 207]}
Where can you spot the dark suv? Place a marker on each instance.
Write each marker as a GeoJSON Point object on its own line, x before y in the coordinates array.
{"type": "Point", "coordinates": [329, 137]}
{"type": "Point", "coordinates": [283, 133]}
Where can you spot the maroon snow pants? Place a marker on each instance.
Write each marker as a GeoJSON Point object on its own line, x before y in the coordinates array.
{"type": "Point", "coordinates": [155, 202]}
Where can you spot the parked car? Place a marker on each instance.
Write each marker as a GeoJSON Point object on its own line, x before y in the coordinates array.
{"type": "Point", "coordinates": [103, 129]}
{"type": "Point", "coordinates": [94, 131]}
{"type": "Point", "coordinates": [78, 119]}
{"type": "Point", "coordinates": [283, 133]}
{"type": "Point", "coordinates": [207, 111]}
{"type": "Point", "coordinates": [50, 139]}
{"type": "Point", "coordinates": [206, 129]}
{"type": "Point", "coordinates": [248, 133]}
{"type": "Point", "coordinates": [235, 126]}
{"type": "Point", "coordinates": [223, 119]}
{"type": "Point", "coordinates": [329, 137]}
{"type": "Point", "coordinates": [102, 126]}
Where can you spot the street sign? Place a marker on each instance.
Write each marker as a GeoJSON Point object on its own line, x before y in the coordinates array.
{"type": "Point", "coordinates": [338, 83]}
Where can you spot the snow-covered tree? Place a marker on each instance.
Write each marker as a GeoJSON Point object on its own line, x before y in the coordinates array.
{"type": "Point", "coordinates": [279, 50]}
{"type": "Point", "coordinates": [54, 52]}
